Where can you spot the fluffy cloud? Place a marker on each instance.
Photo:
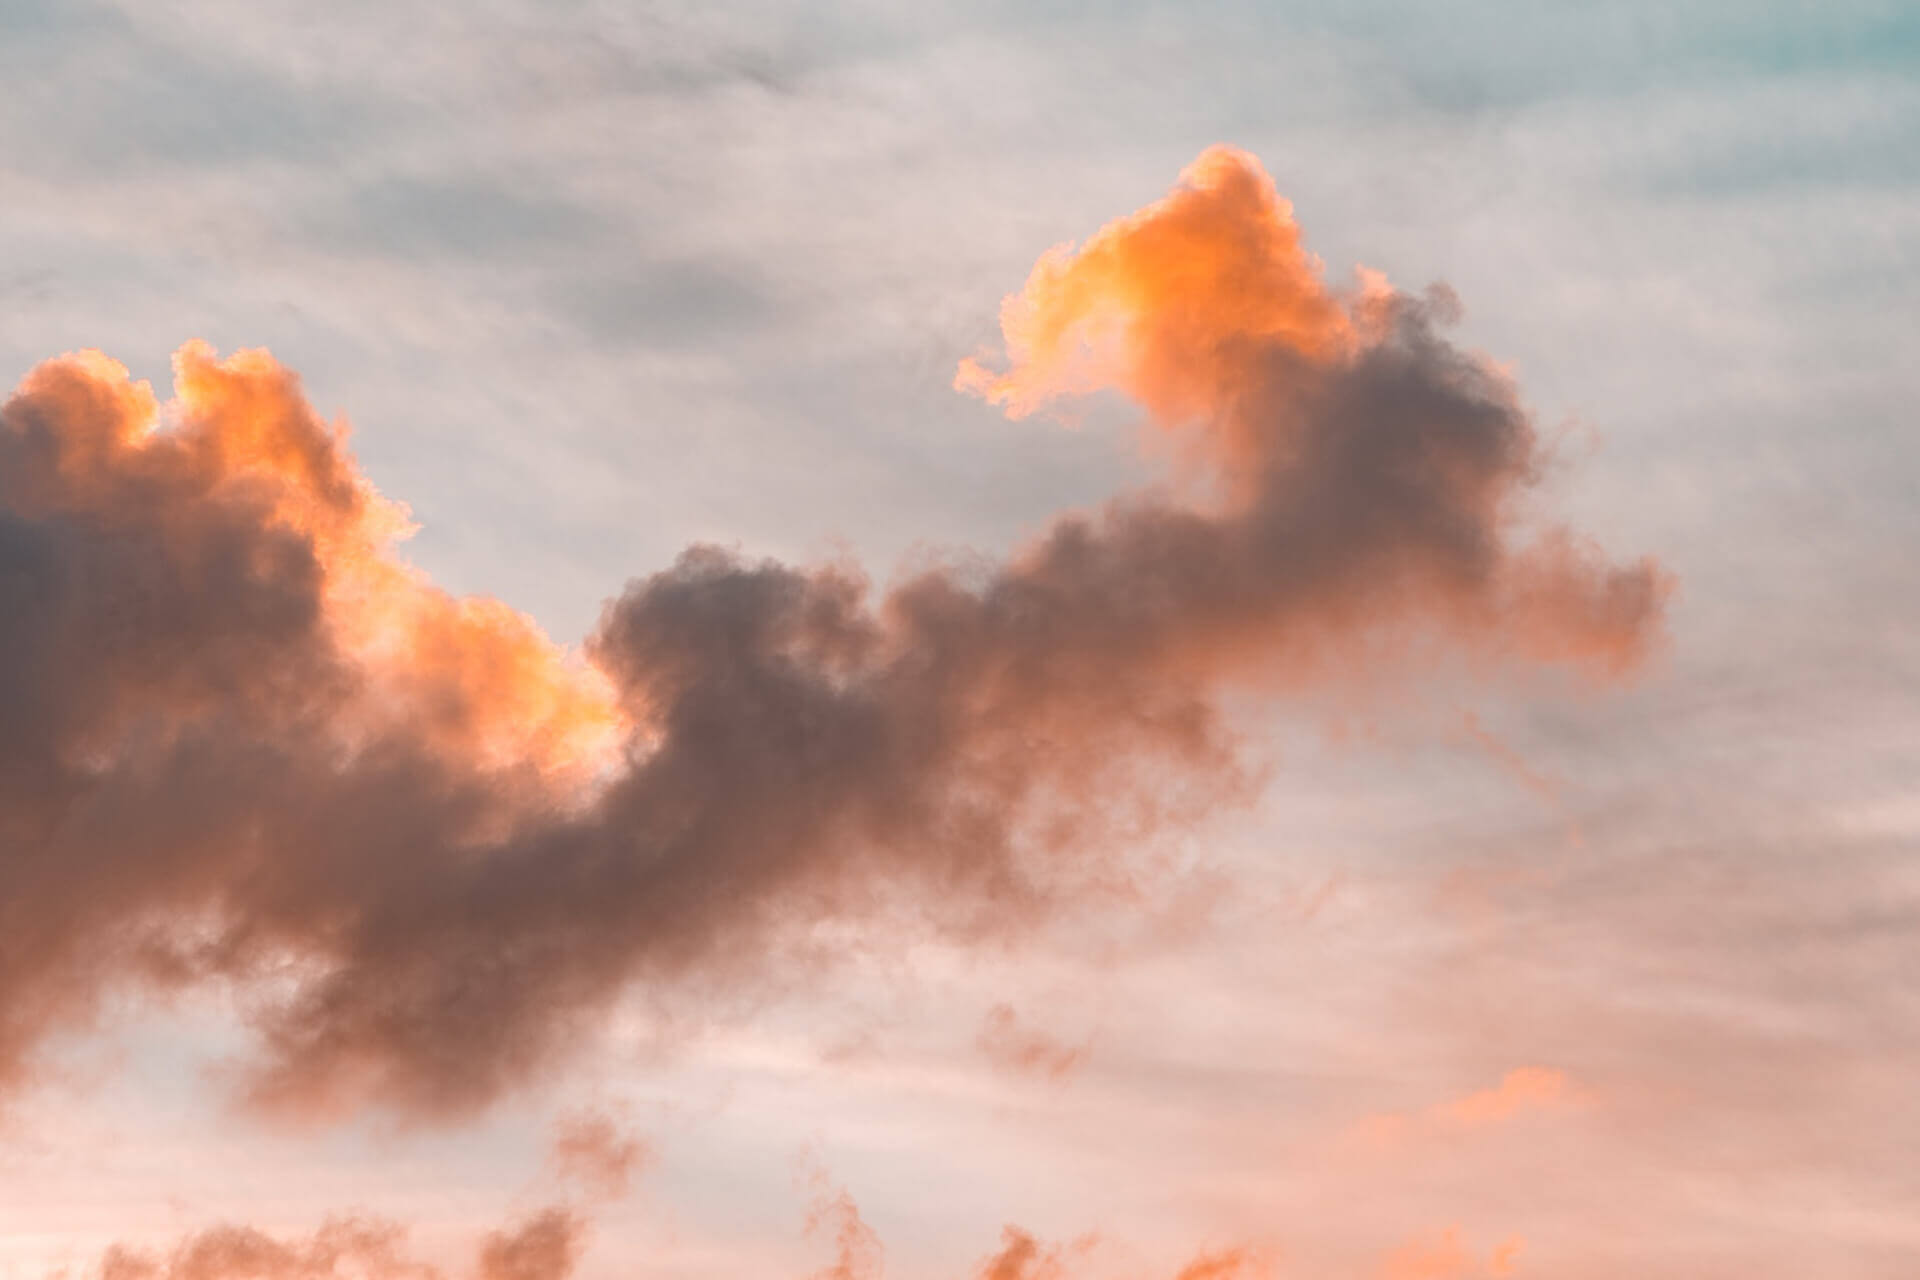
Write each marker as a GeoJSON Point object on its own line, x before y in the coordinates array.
{"type": "Point", "coordinates": [242, 741]}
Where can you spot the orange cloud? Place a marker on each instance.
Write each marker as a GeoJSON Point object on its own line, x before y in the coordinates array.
{"type": "Point", "coordinates": [1445, 1257]}
{"type": "Point", "coordinates": [1226, 1265]}
{"type": "Point", "coordinates": [1021, 1257]}
{"type": "Point", "coordinates": [1349, 440]}
{"type": "Point", "coordinates": [549, 1244]}
{"type": "Point", "coordinates": [243, 741]}
{"type": "Point", "coordinates": [1175, 305]}
{"type": "Point", "coordinates": [1522, 1089]}
{"type": "Point", "coordinates": [857, 1253]}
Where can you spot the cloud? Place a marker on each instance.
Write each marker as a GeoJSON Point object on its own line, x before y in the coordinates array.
{"type": "Point", "coordinates": [1520, 1090]}
{"type": "Point", "coordinates": [590, 1149]}
{"type": "Point", "coordinates": [857, 1252]}
{"type": "Point", "coordinates": [548, 1245]}
{"type": "Point", "coordinates": [1506, 1256]}
{"type": "Point", "coordinates": [1445, 1257]}
{"type": "Point", "coordinates": [1011, 1044]}
{"type": "Point", "coordinates": [544, 1247]}
{"type": "Point", "coordinates": [1229, 1264]}
{"type": "Point", "coordinates": [1021, 1257]}
{"type": "Point", "coordinates": [1368, 476]}
{"type": "Point", "coordinates": [242, 741]}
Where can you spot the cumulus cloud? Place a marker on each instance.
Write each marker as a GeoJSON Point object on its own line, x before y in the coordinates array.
{"type": "Point", "coordinates": [243, 741]}
{"type": "Point", "coordinates": [1367, 476]}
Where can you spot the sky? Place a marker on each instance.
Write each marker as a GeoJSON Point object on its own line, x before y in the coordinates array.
{"type": "Point", "coordinates": [1205, 641]}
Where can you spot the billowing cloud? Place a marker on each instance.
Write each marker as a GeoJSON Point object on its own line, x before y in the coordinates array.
{"type": "Point", "coordinates": [1367, 478]}
{"type": "Point", "coordinates": [242, 741]}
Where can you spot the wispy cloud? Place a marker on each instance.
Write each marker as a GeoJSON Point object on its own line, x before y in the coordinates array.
{"type": "Point", "coordinates": [591, 1149]}
{"type": "Point", "coordinates": [1524, 1089]}
{"type": "Point", "coordinates": [1009, 1042]}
